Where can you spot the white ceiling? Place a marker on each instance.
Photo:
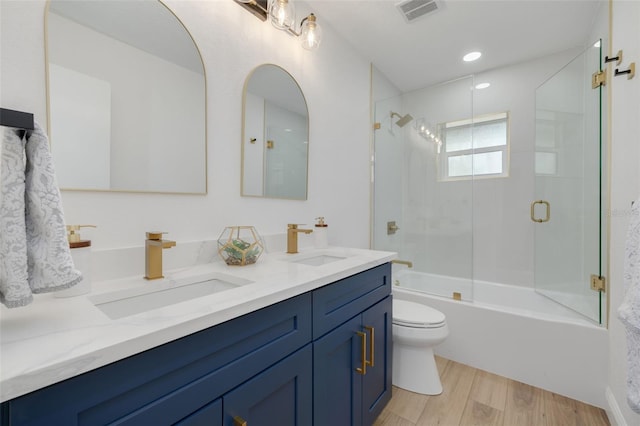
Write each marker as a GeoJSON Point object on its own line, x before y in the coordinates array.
{"type": "Point", "coordinates": [429, 50]}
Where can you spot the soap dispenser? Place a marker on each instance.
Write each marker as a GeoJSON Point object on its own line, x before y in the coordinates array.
{"type": "Point", "coordinates": [320, 233]}
{"type": "Point", "coordinates": [81, 255]}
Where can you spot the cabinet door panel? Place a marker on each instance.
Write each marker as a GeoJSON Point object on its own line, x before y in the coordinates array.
{"type": "Point", "coordinates": [279, 396]}
{"type": "Point", "coordinates": [209, 415]}
{"type": "Point", "coordinates": [337, 387]}
{"type": "Point", "coordinates": [376, 384]}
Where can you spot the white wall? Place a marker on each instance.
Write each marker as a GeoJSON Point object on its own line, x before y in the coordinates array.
{"type": "Point", "coordinates": [334, 79]}
{"type": "Point", "coordinates": [625, 188]}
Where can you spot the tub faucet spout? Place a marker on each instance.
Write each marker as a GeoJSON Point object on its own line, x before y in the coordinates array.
{"type": "Point", "coordinates": [409, 264]}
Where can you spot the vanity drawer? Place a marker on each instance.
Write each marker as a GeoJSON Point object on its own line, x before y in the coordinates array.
{"type": "Point", "coordinates": [336, 303]}
{"type": "Point", "coordinates": [186, 374]}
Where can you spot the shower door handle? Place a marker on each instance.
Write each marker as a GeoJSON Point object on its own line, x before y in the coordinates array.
{"type": "Point", "coordinates": [548, 211]}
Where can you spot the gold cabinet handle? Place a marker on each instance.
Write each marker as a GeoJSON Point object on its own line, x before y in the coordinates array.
{"type": "Point", "coordinates": [548, 208]}
{"type": "Point", "coordinates": [363, 354]}
{"type": "Point", "coordinates": [239, 421]}
{"type": "Point", "coordinates": [371, 344]}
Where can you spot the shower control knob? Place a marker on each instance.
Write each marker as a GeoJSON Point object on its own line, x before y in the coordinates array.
{"type": "Point", "coordinates": [392, 227]}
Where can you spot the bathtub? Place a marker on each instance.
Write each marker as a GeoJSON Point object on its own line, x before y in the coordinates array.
{"type": "Point", "coordinates": [515, 332]}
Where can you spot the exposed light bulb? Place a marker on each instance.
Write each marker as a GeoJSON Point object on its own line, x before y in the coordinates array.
{"type": "Point", "coordinates": [282, 14]}
{"type": "Point", "coordinates": [311, 33]}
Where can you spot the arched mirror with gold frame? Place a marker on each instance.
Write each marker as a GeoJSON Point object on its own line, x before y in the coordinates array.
{"type": "Point", "coordinates": [275, 135]}
{"type": "Point", "coordinates": [126, 98]}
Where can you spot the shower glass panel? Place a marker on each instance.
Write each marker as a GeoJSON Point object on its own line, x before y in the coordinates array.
{"type": "Point", "coordinates": [433, 214]}
{"type": "Point", "coordinates": [568, 176]}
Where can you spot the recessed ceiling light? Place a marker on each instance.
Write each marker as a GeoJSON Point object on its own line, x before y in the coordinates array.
{"type": "Point", "coordinates": [472, 56]}
{"type": "Point", "coordinates": [482, 85]}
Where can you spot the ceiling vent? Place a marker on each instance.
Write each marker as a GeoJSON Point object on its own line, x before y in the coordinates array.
{"type": "Point", "coordinates": [414, 9]}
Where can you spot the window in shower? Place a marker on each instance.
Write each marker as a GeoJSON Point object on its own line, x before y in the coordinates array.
{"type": "Point", "coordinates": [475, 147]}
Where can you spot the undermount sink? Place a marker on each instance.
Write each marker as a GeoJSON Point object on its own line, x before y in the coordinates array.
{"type": "Point", "coordinates": [154, 295]}
{"type": "Point", "coordinates": [317, 259]}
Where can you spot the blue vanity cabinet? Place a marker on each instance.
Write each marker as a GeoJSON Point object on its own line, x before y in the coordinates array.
{"type": "Point", "coordinates": [209, 415]}
{"type": "Point", "coordinates": [281, 395]}
{"type": "Point", "coordinates": [352, 362]}
{"type": "Point", "coordinates": [181, 381]}
{"type": "Point", "coordinates": [289, 364]}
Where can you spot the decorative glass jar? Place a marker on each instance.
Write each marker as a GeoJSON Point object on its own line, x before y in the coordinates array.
{"type": "Point", "coordinates": [240, 245]}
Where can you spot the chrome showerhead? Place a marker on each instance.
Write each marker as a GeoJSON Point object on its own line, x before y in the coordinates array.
{"type": "Point", "coordinates": [402, 120]}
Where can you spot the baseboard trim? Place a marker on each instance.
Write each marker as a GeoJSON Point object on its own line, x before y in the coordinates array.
{"type": "Point", "coordinates": [613, 412]}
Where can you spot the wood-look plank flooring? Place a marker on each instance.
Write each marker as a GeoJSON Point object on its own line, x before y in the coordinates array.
{"type": "Point", "coordinates": [476, 397]}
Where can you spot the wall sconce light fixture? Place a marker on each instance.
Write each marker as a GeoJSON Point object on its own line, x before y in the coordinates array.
{"type": "Point", "coordinates": [282, 16]}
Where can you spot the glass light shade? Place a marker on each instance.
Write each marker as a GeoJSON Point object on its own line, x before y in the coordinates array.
{"type": "Point", "coordinates": [311, 33]}
{"type": "Point", "coordinates": [282, 14]}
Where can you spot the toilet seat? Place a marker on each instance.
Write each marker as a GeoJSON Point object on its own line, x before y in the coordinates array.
{"type": "Point", "coordinates": [411, 314]}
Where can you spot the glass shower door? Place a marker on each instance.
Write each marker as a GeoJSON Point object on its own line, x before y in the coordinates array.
{"type": "Point", "coordinates": [418, 212]}
{"type": "Point", "coordinates": [567, 203]}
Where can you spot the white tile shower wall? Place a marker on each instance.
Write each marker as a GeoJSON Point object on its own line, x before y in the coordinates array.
{"type": "Point", "coordinates": [438, 215]}
{"type": "Point", "coordinates": [334, 79]}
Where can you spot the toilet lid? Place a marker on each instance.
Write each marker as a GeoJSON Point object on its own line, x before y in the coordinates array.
{"type": "Point", "coordinates": [413, 314]}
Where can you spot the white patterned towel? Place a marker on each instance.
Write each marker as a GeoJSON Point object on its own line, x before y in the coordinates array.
{"type": "Point", "coordinates": [34, 252]}
{"type": "Point", "coordinates": [629, 310]}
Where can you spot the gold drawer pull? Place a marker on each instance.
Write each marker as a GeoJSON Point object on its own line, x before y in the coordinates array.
{"type": "Point", "coordinates": [239, 421]}
{"type": "Point", "coordinates": [363, 370]}
{"type": "Point", "coordinates": [533, 214]}
{"type": "Point", "coordinates": [371, 343]}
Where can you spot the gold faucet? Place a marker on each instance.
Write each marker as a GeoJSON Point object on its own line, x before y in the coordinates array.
{"type": "Point", "coordinates": [292, 237]}
{"type": "Point", "coordinates": [153, 246]}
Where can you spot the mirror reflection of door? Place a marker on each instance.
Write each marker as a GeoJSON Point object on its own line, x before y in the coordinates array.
{"type": "Point", "coordinates": [286, 159]}
{"type": "Point", "coordinates": [275, 136]}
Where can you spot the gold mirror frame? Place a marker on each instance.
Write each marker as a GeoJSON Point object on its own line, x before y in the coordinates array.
{"type": "Point", "coordinates": [257, 145]}
{"type": "Point", "coordinates": [159, 168]}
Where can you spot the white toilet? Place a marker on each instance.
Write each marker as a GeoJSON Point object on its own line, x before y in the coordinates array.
{"type": "Point", "coordinates": [417, 329]}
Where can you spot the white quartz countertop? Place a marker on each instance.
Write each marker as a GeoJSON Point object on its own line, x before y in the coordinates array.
{"type": "Point", "coordinates": [54, 339]}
